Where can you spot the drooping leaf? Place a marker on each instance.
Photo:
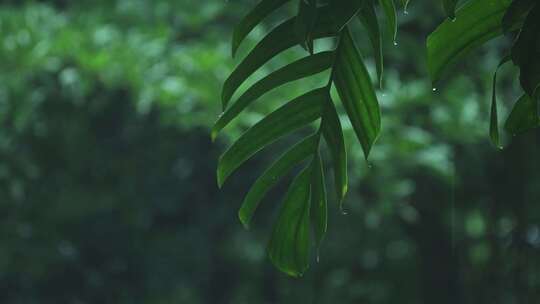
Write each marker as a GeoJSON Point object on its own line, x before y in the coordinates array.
{"type": "Point", "coordinates": [333, 135]}
{"type": "Point", "coordinates": [390, 11]}
{"type": "Point", "coordinates": [523, 117]}
{"type": "Point", "coordinates": [450, 8]}
{"type": "Point", "coordinates": [289, 244]}
{"type": "Point", "coordinates": [278, 40]}
{"type": "Point", "coordinates": [526, 53]}
{"type": "Point", "coordinates": [356, 92]}
{"type": "Point", "coordinates": [291, 116]}
{"type": "Point", "coordinates": [494, 120]}
{"type": "Point", "coordinates": [273, 174]}
{"type": "Point", "coordinates": [319, 205]}
{"type": "Point", "coordinates": [342, 11]}
{"type": "Point", "coordinates": [368, 17]}
{"type": "Point", "coordinates": [305, 22]}
{"type": "Point", "coordinates": [516, 13]}
{"type": "Point", "coordinates": [263, 9]}
{"type": "Point", "coordinates": [301, 68]}
{"type": "Point", "coordinates": [475, 23]}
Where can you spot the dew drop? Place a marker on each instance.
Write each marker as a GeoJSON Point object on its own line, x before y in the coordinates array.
{"type": "Point", "coordinates": [395, 43]}
{"type": "Point", "coordinates": [405, 11]}
{"type": "Point", "coordinates": [434, 89]}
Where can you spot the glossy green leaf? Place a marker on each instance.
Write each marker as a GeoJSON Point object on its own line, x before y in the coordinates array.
{"type": "Point", "coordinates": [289, 244]}
{"type": "Point", "coordinates": [278, 40]}
{"type": "Point", "coordinates": [523, 117]}
{"type": "Point", "coordinates": [476, 22]}
{"type": "Point", "coordinates": [263, 9]}
{"type": "Point", "coordinates": [301, 68]}
{"type": "Point", "coordinates": [293, 115]}
{"type": "Point", "coordinates": [305, 22]}
{"type": "Point", "coordinates": [450, 8]}
{"type": "Point", "coordinates": [526, 53]}
{"type": "Point", "coordinates": [273, 174]}
{"type": "Point", "coordinates": [494, 120]}
{"type": "Point", "coordinates": [319, 205]}
{"type": "Point", "coordinates": [390, 11]}
{"type": "Point", "coordinates": [356, 92]}
{"type": "Point", "coordinates": [368, 17]}
{"type": "Point", "coordinates": [333, 135]}
{"type": "Point", "coordinates": [516, 13]}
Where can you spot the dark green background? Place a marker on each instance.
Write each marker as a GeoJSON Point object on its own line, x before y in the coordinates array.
{"type": "Point", "coordinates": [107, 172]}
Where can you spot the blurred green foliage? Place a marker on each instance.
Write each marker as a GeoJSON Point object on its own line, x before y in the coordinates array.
{"type": "Point", "coordinates": [107, 172]}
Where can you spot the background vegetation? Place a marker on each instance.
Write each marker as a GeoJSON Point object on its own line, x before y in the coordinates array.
{"type": "Point", "coordinates": [107, 171]}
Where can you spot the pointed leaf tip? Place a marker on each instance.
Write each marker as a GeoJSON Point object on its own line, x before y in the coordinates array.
{"type": "Point", "coordinates": [356, 92]}
{"type": "Point", "coordinates": [289, 244]}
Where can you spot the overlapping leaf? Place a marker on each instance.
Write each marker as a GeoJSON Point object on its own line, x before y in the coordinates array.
{"type": "Point", "coordinates": [263, 9]}
{"type": "Point", "coordinates": [526, 53]}
{"type": "Point", "coordinates": [305, 23]}
{"type": "Point", "coordinates": [523, 117]}
{"type": "Point", "coordinates": [356, 92]}
{"type": "Point", "coordinates": [293, 115]}
{"type": "Point", "coordinates": [299, 69]}
{"type": "Point", "coordinates": [333, 135]}
{"type": "Point", "coordinates": [289, 244]}
{"type": "Point", "coordinates": [516, 13]}
{"type": "Point", "coordinates": [342, 11]}
{"type": "Point", "coordinates": [475, 23]}
{"type": "Point", "coordinates": [270, 177]}
{"type": "Point", "coordinates": [390, 11]}
{"type": "Point", "coordinates": [278, 40]}
{"type": "Point", "coordinates": [368, 17]}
